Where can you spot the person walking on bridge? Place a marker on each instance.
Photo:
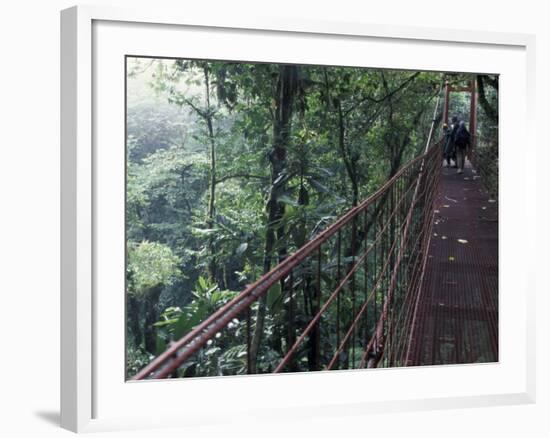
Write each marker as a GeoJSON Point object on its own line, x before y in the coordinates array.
{"type": "Point", "coordinates": [452, 141]}
{"type": "Point", "coordinates": [462, 145]}
{"type": "Point", "coordinates": [448, 145]}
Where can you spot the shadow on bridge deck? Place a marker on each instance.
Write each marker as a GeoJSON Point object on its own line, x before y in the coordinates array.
{"type": "Point", "coordinates": [457, 315]}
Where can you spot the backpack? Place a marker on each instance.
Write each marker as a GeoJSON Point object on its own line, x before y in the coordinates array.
{"type": "Point", "coordinates": [462, 138]}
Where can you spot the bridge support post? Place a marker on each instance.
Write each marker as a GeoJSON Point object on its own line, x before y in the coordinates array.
{"type": "Point", "coordinates": [446, 106]}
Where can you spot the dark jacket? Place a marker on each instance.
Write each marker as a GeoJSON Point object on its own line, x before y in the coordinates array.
{"type": "Point", "coordinates": [462, 137]}
{"type": "Point", "coordinates": [448, 144]}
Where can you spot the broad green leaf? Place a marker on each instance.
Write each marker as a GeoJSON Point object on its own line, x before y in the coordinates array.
{"type": "Point", "coordinates": [160, 345]}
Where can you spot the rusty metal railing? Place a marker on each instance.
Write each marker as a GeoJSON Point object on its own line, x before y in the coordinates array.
{"type": "Point", "coordinates": [484, 158]}
{"type": "Point", "coordinates": [349, 293]}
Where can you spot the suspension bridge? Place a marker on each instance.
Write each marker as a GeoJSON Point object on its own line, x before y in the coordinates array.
{"type": "Point", "coordinates": [415, 265]}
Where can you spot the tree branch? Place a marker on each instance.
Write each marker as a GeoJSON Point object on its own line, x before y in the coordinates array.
{"type": "Point", "coordinates": [240, 175]}
{"type": "Point", "coordinates": [491, 112]}
{"type": "Point", "coordinates": [382, 99]}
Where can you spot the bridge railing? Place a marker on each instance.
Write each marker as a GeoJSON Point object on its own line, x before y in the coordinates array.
{"type": "Point", "coordinates": [346, 298]}
{"type": "Point", "coordinates": [485, 161]}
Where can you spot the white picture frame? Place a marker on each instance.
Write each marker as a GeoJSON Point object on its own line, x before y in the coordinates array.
{"type": "Point", "coordinates": [83, 174]}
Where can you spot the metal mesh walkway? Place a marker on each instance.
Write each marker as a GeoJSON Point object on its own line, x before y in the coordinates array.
{"type": "Point", "coordinates": [457, 315]}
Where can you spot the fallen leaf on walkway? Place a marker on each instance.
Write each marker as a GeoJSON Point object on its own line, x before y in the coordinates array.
{"type": "Point", "coordinates": [451, 259]}
{"type": "Point", "coordinates": [462, 241]}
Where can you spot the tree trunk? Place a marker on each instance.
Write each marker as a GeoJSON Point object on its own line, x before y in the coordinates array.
{"type": "Point", "coordinates": [286, 90]}
{"type": "Point", "coordinates": [348, 161]}
{"type": "Point", "coordinates": [133, 315]}
{"type": "Point", "coordinates": [212, 271]}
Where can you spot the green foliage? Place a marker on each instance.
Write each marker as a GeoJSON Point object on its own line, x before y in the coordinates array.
{"type": "Point", "coordinates": [176, 322]}
{"type": "Point", "coordinates": [136, 359]}
{"type": "Point", "coordinates": [207, 298]}
{"type": "Point", "coordinates": [151, 264]}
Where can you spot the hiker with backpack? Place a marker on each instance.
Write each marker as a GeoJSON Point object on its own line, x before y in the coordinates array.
{"type": "Point", "coordinates": [452, 144]}
{"type": "Point", "coordinates": [462, 145]}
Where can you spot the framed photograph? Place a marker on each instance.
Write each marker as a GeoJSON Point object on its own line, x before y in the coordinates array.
{"type": "Point", "coordinates": [252, 209]}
